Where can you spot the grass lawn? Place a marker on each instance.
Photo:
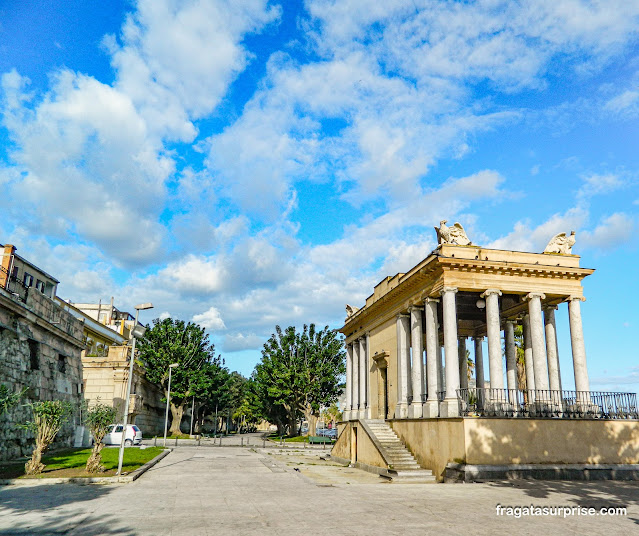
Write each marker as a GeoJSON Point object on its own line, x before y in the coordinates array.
{"type": "Point", "coordinates": [71, 463]}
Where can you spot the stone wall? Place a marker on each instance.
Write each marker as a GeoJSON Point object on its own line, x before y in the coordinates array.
{"type": "Point", "coordinates": [40, 347]}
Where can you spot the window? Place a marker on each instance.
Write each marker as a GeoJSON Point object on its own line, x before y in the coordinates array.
{"type": "Point", "coordinates": [34, 358]}
{"type": "Point", "coordinates": [39, 285]}
{"type": "Point", "coordinates": [62, 363]}
{"type": "Point", "coordinates": [14, 272]}
{"type": "Point", "coordinates": [27, 279]}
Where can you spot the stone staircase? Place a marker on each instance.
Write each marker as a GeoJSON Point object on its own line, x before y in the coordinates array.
{"type": "Point", "coordinates": [402, 466]}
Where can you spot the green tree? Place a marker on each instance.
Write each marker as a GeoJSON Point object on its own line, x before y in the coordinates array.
{"type": "Point", "coordinates": [187, 344]}
{"type": "Point", "coordinates": [98, 418]}
{"type": "Point", "coordinates": [48, 418]}
{"type": "Point", "coordinates": [299, 373]}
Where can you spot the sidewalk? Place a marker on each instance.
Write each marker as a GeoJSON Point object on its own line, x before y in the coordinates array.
{"type": "Point", "coordinates": [230, 490]}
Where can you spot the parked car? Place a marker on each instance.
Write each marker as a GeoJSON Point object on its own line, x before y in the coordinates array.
{"type": "Point", "coordinates": [114, 435]}
{"type": "Point", "coordinates": [331, 432]}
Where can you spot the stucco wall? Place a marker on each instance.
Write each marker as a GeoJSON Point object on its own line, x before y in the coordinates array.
{"type": "Point", "coordinates": [433, 442]}
{"type": "Point", "coordinates": [383, 338]}
{"type": "Point", "coordinates": [342, 447]}
{"type": "Point", "coordinates": [367, 451]}
{"type": "Point", "coordinates": [507, 441]}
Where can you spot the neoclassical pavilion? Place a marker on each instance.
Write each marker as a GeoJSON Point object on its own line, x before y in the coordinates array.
{"type": "Point", "coordinates": [407, 353]}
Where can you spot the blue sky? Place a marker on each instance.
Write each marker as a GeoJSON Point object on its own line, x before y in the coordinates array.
{"type": "Point", "coordinates": [251, 163]}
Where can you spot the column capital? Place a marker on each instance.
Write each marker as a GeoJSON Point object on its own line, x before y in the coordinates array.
{"type": "Point", "coordinates": [478, 337]}
{"type": "Point", "coordinates": [402, 315]}
{"type": "Point", "coordinates": [532, 295]}
{"type": "Point", "coordinates": [549, 307]}
{"type": "Point", "coordinates": [511, 321]}
{"type": "Point", "coordinates": [573, 298]}
{"type": "Point", "coordinates": [362, 339]}
{"type": "Point", "coordinates": [454, 290]}
{"type": "Point", "coordinates": [415, 307]}
{"type": "Point", "coordinates": [429, 299]}
{"type": "Point", "coordinates": [490, 292]}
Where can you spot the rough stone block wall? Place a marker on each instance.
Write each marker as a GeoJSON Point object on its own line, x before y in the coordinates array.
{"type": "Point", "coordinates": [48, 366]}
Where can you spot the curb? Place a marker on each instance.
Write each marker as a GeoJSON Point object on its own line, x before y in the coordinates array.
{"type": "Point", "coordinates": [89, 480]}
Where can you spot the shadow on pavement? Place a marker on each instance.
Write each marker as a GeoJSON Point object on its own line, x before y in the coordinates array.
{"type": "Point", "coordinates": [583, 493]}
{"type": "Point", "coordinates": [54, 509]}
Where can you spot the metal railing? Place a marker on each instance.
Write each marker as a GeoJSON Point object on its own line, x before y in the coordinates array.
{"type": "Point", "coordinates": [547, 404]}
{"type": "Point", "coordinates": [14, 286]}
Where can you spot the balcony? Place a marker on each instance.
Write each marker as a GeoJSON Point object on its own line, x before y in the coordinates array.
{"type": "Point", "coordinates": [516, 403]}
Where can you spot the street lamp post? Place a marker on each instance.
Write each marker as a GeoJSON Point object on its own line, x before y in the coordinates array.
{"type": "Point", "coordinates": [168, 398]}
{"type": "Point", "coordinates": [135, 333]}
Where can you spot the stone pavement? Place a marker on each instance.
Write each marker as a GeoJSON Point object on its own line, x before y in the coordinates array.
{"type": "Point", "coordinates": [230, 490]}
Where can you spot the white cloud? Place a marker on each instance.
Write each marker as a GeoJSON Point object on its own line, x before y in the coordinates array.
{"type": "Point", "coordinates": [90, 157]}
{"type": "Point", "coordinates": [239, 341]}
{"type": "Point", "coordinates": [625, 104]}
{"type": "Point", "coordinates": [597, 184]}
{"type": "Point", "coordinates": [164, 315]}
{"type": "Point", "coordinates": [613, 231]}
{"type": "Point", "coordinates": [525, 238]}
{"type": "Point", "coordinates": [210, 319]}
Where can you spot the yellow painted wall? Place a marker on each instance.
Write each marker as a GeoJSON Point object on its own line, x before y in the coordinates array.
{"type": "Point", "coordinates": [506, 441]}
{"type": "Point", "coordinates": [433, 442]}
{"type": "Point", "coordinates": [367, 451]}
{"type": "Point", "coordinates": [342, 447]}
{"type": "Point", "coordinates": [383, 338]}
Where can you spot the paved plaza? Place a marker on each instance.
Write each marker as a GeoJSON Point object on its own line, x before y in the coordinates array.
{"type": "Point", "coordinates": [212, 490]}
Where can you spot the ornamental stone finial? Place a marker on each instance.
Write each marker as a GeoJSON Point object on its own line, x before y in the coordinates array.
{"type": "Point", "coordinates": [560, 243]}
{"type": "Point", "coordinates": [452, 235]}
{"type": "Point", "coordinates": [350, 311]}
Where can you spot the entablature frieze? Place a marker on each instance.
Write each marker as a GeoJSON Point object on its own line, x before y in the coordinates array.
{"type": "Point", "coordinates": [429, 278]}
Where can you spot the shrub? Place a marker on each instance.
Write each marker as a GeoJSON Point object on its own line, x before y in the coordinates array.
{"type": "Point", "coordinates": [48, 418]}
{"type": "Point", "coordinates": [98, 418]}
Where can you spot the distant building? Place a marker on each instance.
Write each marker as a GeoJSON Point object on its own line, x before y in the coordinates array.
{"type": "Point", "coordinates": [105, 365]}
{"type": "Point", "coordinates": [108, 315]}
{"type": "Point", "coordinates": [40, 348]}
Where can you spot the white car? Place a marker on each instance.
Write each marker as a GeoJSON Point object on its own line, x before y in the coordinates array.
{"type": "Point", "coordinates": [114, 435]}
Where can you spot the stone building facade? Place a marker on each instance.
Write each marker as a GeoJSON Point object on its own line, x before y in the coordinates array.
{"type": "Point", "coordinates": [40, 347]}
{"type": "Point", "coordinates": [105, 379]}
{"type": "Point", "coordinates": [407, 365]}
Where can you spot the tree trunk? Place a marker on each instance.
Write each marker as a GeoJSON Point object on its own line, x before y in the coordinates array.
{"type": "Point", "coordinates": [292, 423]}
{"type": "Point", "coordinates": [177, 413]}
{"type": "Point", "coordinates": [35, 466]}
{"type": "Point", "coordinates": [94, 463]}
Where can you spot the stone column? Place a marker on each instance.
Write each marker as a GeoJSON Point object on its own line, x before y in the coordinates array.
{"type": "Point", "coordinates": [403, 359]}
{"type": "Point", "coordinates": [528, 357]}
{"type": "Point", "coordinates": [578, 346]}
{"type": "Point", "coordinates": [511, 361]}
{"type": "Point", "coordinates": [355, 396]}
{"type": "Point", "coordinates": [479, 369]}
{"type": "Point", "coordinates": [417, 368]}
{"type": "Point", "coordinates": [552, 350]}
{"type": "Point", "coordinates": [349, 381]}
{"type": "Point", "coordinates": [441, 366]}
{"type": "Point", "coordinates": [450, 405]}
{"type": "Point", "coordinates": [493, 330]}
{"type": "Point", "coordinates": [433, 358]}
{"type": "Point", "coordinates": [369, 409]}
{"type": "Point", "coordinates": [511, 355]}
{"type": "Point", "coordinates": [362, 378]}
{"type": "Point", "coordinates": [463, 363]}
{"type": "Point", "coordinates": [540, 361]}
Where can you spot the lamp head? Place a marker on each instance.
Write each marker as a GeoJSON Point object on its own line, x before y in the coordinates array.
{"type": "Point", "coordinates": [143, 306]}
